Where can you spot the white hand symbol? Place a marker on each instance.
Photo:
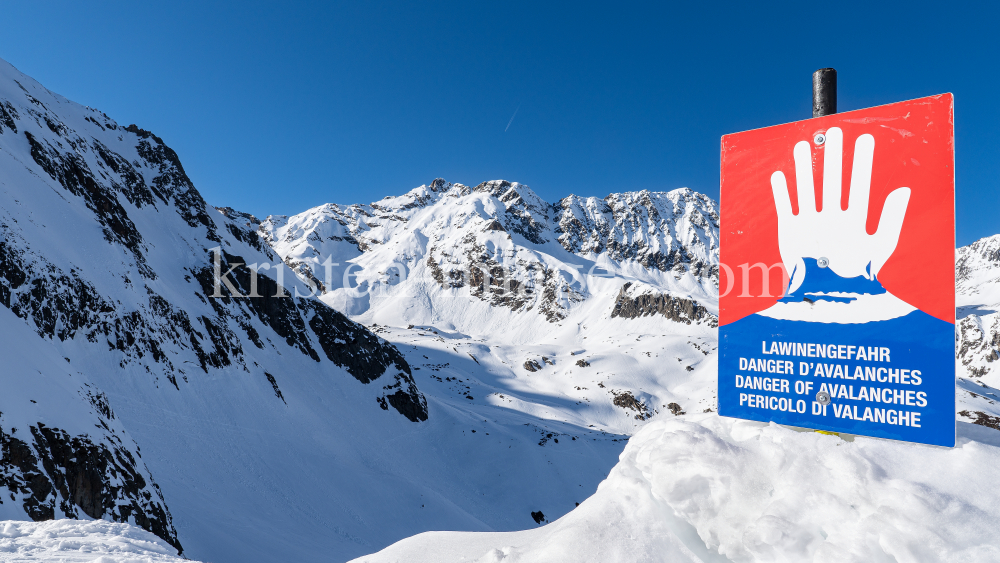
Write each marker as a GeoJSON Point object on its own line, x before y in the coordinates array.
{"type": "Point", "coordinates": [839, 235]}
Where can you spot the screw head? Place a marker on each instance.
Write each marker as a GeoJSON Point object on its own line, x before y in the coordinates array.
{"type": "Point", "coordinates": [823, 262]}
{"type": "Point", "coordinates": [823, 398]}
{"type": "Point", "coordinates": [819, 139]}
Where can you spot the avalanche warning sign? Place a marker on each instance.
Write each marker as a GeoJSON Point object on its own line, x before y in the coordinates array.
{"type": "Point", "coordinates": [837, 275]}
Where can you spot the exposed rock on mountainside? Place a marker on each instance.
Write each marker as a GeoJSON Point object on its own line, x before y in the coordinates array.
{"type": "Point", "coordinates": [977, 275]}
{"type": "Point", "coordinates": [673, 231]}
{"type": "Point", "coordinates": [633, 303]}
{"type": "Point", "coordinates": [978, 264]}
{"type": "Point", "coordinates": [344, 342]}
{"type": "Point", "coordinates": [626, 400]}
{"type": "Point", "coordinates": [76, 477]}
{"type": "Point", "coordinates": [982, 419]}
{"type": "Point", "coordinates": [524, 212]}
{"type": "Point", "coordinates": [61, 303]}
{"type": "Point", "coordinates": [248, 220]}
{"type": "Point", "coordinates": [979, 343]}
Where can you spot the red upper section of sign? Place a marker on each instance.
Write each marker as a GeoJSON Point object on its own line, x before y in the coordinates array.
{"type": "Point", "coordinates": [914, 148]}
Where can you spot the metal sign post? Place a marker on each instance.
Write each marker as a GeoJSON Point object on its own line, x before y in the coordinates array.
{"type": "Point", "coordinates": [837, 291]}
{"type": "Point", "coordinates": [824, 92]}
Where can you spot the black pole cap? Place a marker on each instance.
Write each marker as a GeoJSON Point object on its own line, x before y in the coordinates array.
{"type": "Point", "coordinates": [824, 92]}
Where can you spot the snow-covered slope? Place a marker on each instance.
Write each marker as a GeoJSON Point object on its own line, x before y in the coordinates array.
{"type": "Point", "coordinates": [711, 489]}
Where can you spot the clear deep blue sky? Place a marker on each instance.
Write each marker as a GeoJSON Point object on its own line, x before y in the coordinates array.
{"type": "Point", "coordinates": [276, 107]}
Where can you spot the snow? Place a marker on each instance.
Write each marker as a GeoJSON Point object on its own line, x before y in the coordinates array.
{"type": "Point", "coordinates": [71, 541]}
{"type": "Point", "coordinates": [863, 308]}
{"type": "Point", "coordinates": [707, 488]}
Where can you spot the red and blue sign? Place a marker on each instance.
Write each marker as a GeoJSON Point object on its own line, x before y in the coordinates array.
{"type": "Point", "coordinates": [837, 281]}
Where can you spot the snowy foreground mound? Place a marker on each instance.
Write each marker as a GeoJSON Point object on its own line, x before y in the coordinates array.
{"type": "Point", "coordinates": [96, 541]}
{"type": "Point", "coordinates": [717, 489]}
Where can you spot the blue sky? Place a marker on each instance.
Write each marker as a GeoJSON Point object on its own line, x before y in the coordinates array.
{"type": "Point", "coordinates": [276, 107]}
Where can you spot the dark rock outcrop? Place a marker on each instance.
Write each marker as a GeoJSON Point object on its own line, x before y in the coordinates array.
{"type": "Point", "coordinates": [81, 477]}
{"type": "Point", "coordinates": [982, 419]}
{"type": "Point", "coordinates": [679, 229]}
{"type": "Point", "coordinates": [345, 343]}
{"type": "Point", "coordinates": [677, 309]}
{"type": "Point", "coordinates": [627, 400]}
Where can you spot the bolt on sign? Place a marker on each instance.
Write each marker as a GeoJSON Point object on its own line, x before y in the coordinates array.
{"type": "Point", "coordinates": [837, 276]}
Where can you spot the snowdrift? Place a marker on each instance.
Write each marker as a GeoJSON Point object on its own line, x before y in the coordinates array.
{"type": "Point", "coordinates": [95, 541]}
{"type": "Point", "coordinates": [717, 489]}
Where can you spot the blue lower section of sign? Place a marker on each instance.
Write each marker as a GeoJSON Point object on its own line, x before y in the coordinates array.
{"type": "Point", "coordinates": [889, 379]}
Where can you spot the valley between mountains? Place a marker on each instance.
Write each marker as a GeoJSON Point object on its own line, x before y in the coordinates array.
{"type": "Point", "coordinates": [457, 357]}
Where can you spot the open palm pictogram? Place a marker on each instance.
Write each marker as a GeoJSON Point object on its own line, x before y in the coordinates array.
{"type": "Point", "coordinates": [834, 236]}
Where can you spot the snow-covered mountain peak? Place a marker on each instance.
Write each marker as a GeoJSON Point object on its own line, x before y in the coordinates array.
{"type": "Point", "coordinates": [676, 230]}
{"type": "Point", "coordinates": [511, 193]}
{"type": "Point", "coordinates": [246, 219]}
{"type": "Point", "coordinates": [440, 232]}
{"type": "Point", "coordinates": [420, 196]}
{"type": "Point", "coordinates": [977, 272]}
